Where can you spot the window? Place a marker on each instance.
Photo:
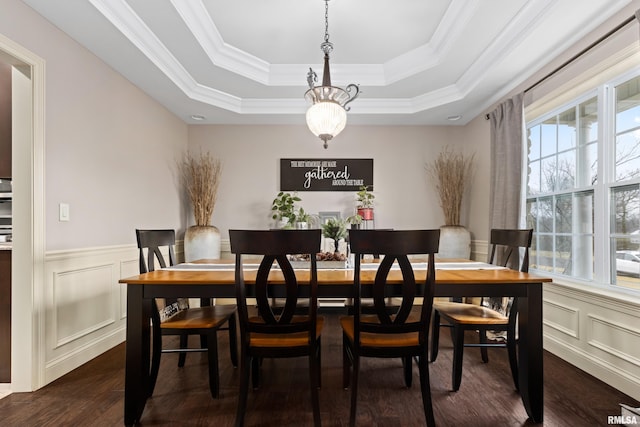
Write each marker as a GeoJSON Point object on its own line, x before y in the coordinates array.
{"type": "Point", "coordinates": [583, 186]}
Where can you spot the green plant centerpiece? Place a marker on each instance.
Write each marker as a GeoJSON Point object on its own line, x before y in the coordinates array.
{"type": "Point", "coordinates": [283, 206]}
{"type": "Point", "coordinates": [365, 203]}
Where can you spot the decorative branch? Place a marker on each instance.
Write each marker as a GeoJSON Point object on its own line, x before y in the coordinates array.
{"type": "Point", "coordinates": [451, 172]}
{"type": "Point", "coordinates": [201, 176]}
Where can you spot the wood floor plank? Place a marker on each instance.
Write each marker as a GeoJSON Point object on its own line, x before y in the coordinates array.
{"type": "Point", "coordinates": [94, 393]}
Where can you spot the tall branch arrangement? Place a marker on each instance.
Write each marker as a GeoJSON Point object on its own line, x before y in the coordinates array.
{"type": "Point", "coordinates": [451, 172]}
{"type": "Point", "coordinates": [201, 176]}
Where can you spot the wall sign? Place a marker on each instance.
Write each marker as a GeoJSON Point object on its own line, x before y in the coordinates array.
{"type": "Point", "coordinates": [325, 174]}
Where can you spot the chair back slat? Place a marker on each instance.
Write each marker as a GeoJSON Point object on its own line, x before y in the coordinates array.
{"type": "Point", "coordinates": [506, 245]}
{"type": "Point", "coordinates": [275, 246]}
{"type": "Point", "coordinates": [395, 246]}
{"type": "Point", "coordinates": [153, 241]}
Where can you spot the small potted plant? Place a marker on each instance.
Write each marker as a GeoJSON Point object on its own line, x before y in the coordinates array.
{"type": "Point", "coordinates": [335, 229]}
{"type": "Point", "coordinates": [283, 208]}
{"type": "Point", "coordinates": [365, 203]}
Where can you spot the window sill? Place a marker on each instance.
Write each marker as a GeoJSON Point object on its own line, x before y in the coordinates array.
{"type": "Point", "coordinates": [621, 294]}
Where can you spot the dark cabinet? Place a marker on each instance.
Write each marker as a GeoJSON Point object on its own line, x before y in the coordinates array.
{"type": "Point", "coordinates": [5, 120]}
{"type": "Point", "coordinates": [5, 316]}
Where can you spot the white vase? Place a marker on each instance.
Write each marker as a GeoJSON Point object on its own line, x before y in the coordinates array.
{"type": "Point", "coordinates": [455, 242]}
{"type": "Point", "coordinates": [201, 242]}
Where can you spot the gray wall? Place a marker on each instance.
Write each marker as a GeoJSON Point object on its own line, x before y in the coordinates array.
{"type": "Point", "coordinates": [110, 148]}
{"type": "Point", "coordinates": [405, 197]}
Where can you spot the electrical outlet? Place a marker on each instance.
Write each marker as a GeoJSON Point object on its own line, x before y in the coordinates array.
{"type": "Point", "coordinates": [64, 211]}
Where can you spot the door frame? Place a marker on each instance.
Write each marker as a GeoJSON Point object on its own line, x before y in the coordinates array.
{"type": "Point", "coordinates": [28, 160]}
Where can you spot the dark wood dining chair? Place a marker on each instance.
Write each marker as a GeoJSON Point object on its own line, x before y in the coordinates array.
{"type": "Point", "coordinates": [461, 317]}
{"type": "Point", "coordinates": [285, 332]}
{"type": "Point", "coordinates": [403, 334]}
{"type": "Point", "coordinates": [177, 318]}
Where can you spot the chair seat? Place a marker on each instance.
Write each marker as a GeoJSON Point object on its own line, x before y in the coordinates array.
{"type": "Point", "coordinates": [284, 340]}
{"type": "Point", "coordinates": [199, 318]}
{"type": "Point", "coordinates": [377, 340]}
{"type": "Point", "coordinates": [470, 313]}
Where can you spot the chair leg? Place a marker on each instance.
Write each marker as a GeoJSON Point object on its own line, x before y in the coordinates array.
{"type": "Point", "coordinates": [314, 365]}
{"type": "Point", "coordinates": [155, 358]}
{"type": "Point", "coordinates": [233, 340]}
{"type": "Point", "coordinates": [513, 359]}
{"type": "Point", "coordinates": [425, 388]}
{"type": "Point", "coordinates": [184, 343]}
{"type": "Point", "coordinates": [319, 359]}
{"type": "Point", "coordinates": [458, 352]}
{"type": "Point", "coordinates": [346, 362]}
{"type": "Point", "coordinates": [214, 375]}
{"type": "Point", "coordinates": [483, 350]}
{"type": "Point", "coordinates": [245, 367]}
{"type": "Point", "coordinates": [435, 335]}
{"type": "Point", "coordinates": [255, 371]}
{"type": "Point", "coordinates": [354, 390]}
{"type": "Point", "coordinates": [406, 367]}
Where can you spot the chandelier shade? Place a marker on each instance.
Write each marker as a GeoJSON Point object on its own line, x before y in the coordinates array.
{"type": "Point", "coordinates": [326, 119]}
{"type": "Point", "coordinates": [327, 115]}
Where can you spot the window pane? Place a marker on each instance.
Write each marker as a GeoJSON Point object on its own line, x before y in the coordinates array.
{"type": "Point", "coordinates": [628, 105]}
{"type": "Point", "coordinates": [532, 214]}
{"type": "Point", "coordinates": [563, 255]}
{"type": "Point", "coordinates": [582, 257]}
{"type": "Point", "coordinates": [628, 156]}
{"type": "Point", "coordinates": [533, 178]}
{"type": "Point", "coordinates": [548, 175]}
{"type": "Point", "coordinates": [627, 164]}
{"type": "Point", "coordinates": [591, 164]}
{"type": "Point", "coordinates": [534, 143]}
{"type": "Point", "coordinates": [563, 214]}
{"type": "Point", "coordinates": [588, 121]}
{"type": "Point", "coordinates": [583, 220]}
{"type": "Point", "coordinates": [625, 262]}
{"type": "Point", "coordinates": [625, 206]}
{"type": "Point", "coordinates": [567, 130]}
{"type": "Point", "coordinates": [544, 253]}
{"type": "Point", "coordinates": [566, 171]}
{"type": "Point", "coordinates": [545, 215]}
{"type": "Point", "coordinates": [548, 137]}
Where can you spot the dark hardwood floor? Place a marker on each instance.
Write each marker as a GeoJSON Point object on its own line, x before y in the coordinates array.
{"type": "Point", "coordinates": [93, 394]}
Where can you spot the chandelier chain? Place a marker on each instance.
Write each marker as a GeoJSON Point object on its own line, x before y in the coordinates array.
{"type": "Point", "coordinates": [326, 21]}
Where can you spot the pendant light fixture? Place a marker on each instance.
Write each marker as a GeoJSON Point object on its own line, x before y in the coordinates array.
{"type": "Point", "coordinates": [327, 115]}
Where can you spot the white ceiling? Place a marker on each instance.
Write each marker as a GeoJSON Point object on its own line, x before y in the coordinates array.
{"type": "Point", "coordinates": [245, 61]}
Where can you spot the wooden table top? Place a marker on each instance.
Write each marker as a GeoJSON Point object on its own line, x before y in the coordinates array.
{"type": "Point", "coordinates": [222, 273]}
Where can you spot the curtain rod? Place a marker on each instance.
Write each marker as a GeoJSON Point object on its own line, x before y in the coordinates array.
{"type": "Point", "coordinates": [583, 51]}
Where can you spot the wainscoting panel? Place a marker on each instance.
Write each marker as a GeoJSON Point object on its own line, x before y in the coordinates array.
{"type": "Point", "coordinates": [83, 301]}
{"type": "Point", "coordinates": [85, 312]}
{"type": "Point", "coordinates": [562, 318]}
{"type": "Point", "coordinates": [615, 342]}
{"type": "Point", "coordinates": [596, 330]}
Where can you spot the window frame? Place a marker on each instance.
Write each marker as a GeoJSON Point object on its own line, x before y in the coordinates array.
{"type": "Point", "coordinates": [603, 254]}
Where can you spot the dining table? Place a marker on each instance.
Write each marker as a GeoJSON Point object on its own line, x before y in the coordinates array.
{"type": "Point", "coordinates": [207, 279]}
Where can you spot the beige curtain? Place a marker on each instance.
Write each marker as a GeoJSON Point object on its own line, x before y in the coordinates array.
{"type": "Point", "coordinates": [507, 123]}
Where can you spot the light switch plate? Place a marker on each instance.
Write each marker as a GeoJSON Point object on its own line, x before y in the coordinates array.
{"type": "Point", "coordinates": [64, 211]}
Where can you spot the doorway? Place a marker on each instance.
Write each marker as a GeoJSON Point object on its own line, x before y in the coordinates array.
{"type": "Point", "coordinates": [27, 264]}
